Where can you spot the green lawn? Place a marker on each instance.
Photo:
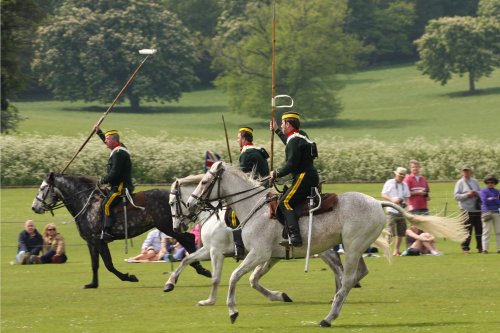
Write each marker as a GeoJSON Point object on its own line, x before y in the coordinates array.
{"type": "Point", "coordinates": [453, 293]}
{"type": "Point", "coordinates": [389, 104]}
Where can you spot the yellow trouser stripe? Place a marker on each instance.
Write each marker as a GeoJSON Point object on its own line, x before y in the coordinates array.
{"type": "Point", "coordinates": [292, 192]}
{"type": "Point", "coordinates": [112, 198]}
{"type": "Point", "coordinates": [233, 218]}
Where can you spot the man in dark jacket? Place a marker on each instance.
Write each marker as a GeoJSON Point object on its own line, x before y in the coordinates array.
{"type": "Point", "coordinates": [300, 153]}
{"type": "Point", "coordinates": [29, 244]}
{"type": "Point", "coordinates": [119, 176]}
{"type": "Point", "coordinates": [251, 158]}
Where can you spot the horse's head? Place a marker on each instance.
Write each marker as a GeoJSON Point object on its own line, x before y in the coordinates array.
{"type": "Point", "coordinates": [203, 195]}
{"type": "Point", "coordinates": [180, 191]}
{"type": "Point", "coordinates": [48, 196]}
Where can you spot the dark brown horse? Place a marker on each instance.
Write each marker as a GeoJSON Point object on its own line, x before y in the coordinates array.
{"type": "Point", "coordinates": [81, 196]}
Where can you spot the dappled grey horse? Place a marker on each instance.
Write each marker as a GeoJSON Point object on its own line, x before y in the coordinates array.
{"type": "Point", "coordinates": [81, 196]}
{"type": "Point", "coordinates": [218, 243]}
{"type": "Point", "coordinates": [356, 222]}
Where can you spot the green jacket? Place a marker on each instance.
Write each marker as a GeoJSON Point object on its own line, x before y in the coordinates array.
{"type": "Point", "coordinates": [298, 157]}
{"type": "Point", "coordinates": [254, 156]}
{"type": "Point", "coordinates": [119, 167]}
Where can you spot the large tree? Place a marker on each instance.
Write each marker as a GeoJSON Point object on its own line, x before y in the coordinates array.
{"type": "Point", "coordinates": [19, 22]}
{"type": "Point", "coordinates": [311, 48]}
{"type": "Point", "coordinates": [88, 50]}
{"type": "Point", "coordinates": [384, 25]}
{"type": "Point", "coordinates": [459, 45]}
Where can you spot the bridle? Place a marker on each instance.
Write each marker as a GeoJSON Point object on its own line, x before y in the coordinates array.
{"type": "Point", "coordinates": [204, 200]}
{"type": "Point", "coordinates": [56, 200]}
{"type": "Point", "coordinates": [177, 204]}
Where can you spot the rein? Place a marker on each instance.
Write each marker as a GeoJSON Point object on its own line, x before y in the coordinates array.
{"type": "Point", "coordinates": [59, 202]}
{"type": "Point", "coordinates": [206, 193]}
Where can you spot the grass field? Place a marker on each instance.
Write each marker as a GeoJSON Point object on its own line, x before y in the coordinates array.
{"type": "Point", "coordinates": [389, 104]}
{"type": "Point", "coordinates": [453, 293]}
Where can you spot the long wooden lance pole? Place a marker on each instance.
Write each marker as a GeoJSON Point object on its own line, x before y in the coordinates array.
{"type": "Point", "coordinates": [273, 83]}
{"type": "Point", "coordinates": [227, 140]}
{"type": "Point", "coordinates": [149, 52]}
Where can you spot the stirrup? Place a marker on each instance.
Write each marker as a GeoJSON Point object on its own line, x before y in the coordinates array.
{"type": "Point", "coordinates": [106, 237]}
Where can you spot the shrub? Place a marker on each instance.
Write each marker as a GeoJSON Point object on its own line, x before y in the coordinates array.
{"type": "Point", "coordinates": [26, 160]}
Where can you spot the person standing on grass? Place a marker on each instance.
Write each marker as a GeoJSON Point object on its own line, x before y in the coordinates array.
{"type": "Point", "coordinates": [490, 198]}
{"type": "Point", "coordinates": [467, 194]}
{"type": "Point", "coordinates": [419, 190]}
{"type": "Point", "coordinates": [396, 191]}
{"type": "Point", "coordinates": [119, 176]}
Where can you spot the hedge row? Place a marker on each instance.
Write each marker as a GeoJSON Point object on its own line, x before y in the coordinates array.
{"type": "Point", "coordinates": [26, 160]}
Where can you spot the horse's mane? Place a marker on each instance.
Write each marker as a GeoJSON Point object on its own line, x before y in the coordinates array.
{"type": "Point", "coordinates": [80, 178]}
{"type": "Point", "coordinates": [248, 176]}
{"type": "Point", "coordinates": [190, 180]}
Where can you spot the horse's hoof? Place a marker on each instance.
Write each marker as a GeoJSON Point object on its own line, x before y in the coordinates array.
{"type": "Point", "coordinates": [324, 323]}
{"type": "Point", "coordinates": [233, 317]}
{"type": "Point", "coordinates": [205, 303]}
{"type": "Point", "coordinates": [90, 286]}
{"type": "Point", "coordinates": [133, 278]}
{"type": "Point", "coordinates": [358, 285]}
{"type": "Point", "coordinates": [169, 287]}
{"type": "Point", "coordinates": [286, 298]}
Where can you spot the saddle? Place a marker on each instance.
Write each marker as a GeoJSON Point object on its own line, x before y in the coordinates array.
{"type": "Point", "coordinates": [138, 198]}
{"type": "Point", "coordinates": [328, 203]}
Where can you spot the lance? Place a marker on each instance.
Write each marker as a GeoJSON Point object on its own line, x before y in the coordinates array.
{"type": "Point", "coordinates": [227, 140]}
{"type": "Point", "coordinates": [273, 83]}
{"type": "Point", "coordinates": [146, 52]}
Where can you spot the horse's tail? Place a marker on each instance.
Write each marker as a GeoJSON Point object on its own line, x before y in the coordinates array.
{"type": "Point", "coordinates": [451, 227]}
{"type": "Point", "coordinates": [383, 243]}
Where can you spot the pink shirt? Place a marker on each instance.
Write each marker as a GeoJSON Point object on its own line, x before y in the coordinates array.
{"type": "Point", "coordinates": [417, 201]}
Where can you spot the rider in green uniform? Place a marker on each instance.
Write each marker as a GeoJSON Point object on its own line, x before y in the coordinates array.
{"type": "Point", "coordinates": [119, 176]}
{"type": "Point", "coordinates": [252, 159]}
{"type": "Point", "coordinates": [299, 153]}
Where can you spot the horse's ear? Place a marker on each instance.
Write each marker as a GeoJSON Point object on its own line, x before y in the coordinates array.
{"type": "Point", "coordinates": [50, 178]}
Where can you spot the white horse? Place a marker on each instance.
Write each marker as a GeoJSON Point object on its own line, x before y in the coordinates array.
{"type": "Point", "coordinates": [218, 243]}
{"type": "Point", "coordinates": [356, 222]}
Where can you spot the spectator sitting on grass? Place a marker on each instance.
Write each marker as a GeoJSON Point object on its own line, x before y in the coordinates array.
{"type": "Point", "coordinates": [420, 243]}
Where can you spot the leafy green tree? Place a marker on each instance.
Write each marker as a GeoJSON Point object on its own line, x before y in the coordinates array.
{"type": "Point", "coordinates": [459, 45]}
{"type": "Point", "coordinates": [311, 48]}
{"type": "Point", "coordinates": [88, 50]}
{"type": "Point", "coordinates": [202, 24]}
{"type": "Point", "coordinates": [489, 8]}
{"type": "Point", "coordinates": [19, 21]}
{"type": "Point", "coordinates": [384, 25]}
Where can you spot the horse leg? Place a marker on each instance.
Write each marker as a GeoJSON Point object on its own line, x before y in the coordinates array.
{"type": "Point", "coordinates": [187, 241]}
{"type": "Point", "coordinates": [108, 262]}
{"type": "Point", "coordinates": [202, 253]}
{"type": "Point", "coordinates": [332, 259]}
{"type": "Point", "coordinates": [217, 258]}
{"type": "Point", "coordinates": [251, 261]}
{"type": "Point", "coordinates": [350, 278]}
{"type": "Point", "coordinates": [258, 273]}
{"type": "Point", "coordinates": [94, 257]}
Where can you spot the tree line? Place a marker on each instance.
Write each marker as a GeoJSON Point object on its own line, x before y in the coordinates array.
{"type": "Point", "coordinates": [85, 49]}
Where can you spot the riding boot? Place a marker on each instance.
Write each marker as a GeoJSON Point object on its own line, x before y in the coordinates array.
{"type": "Point", "coordinates": [201, 270]}
{"type": "Point", "coordinates": [106, 234]}
{"type": "Point", "coordinates": [239, 247]}
{"type": "Point", "coordinates": [293, 229]}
